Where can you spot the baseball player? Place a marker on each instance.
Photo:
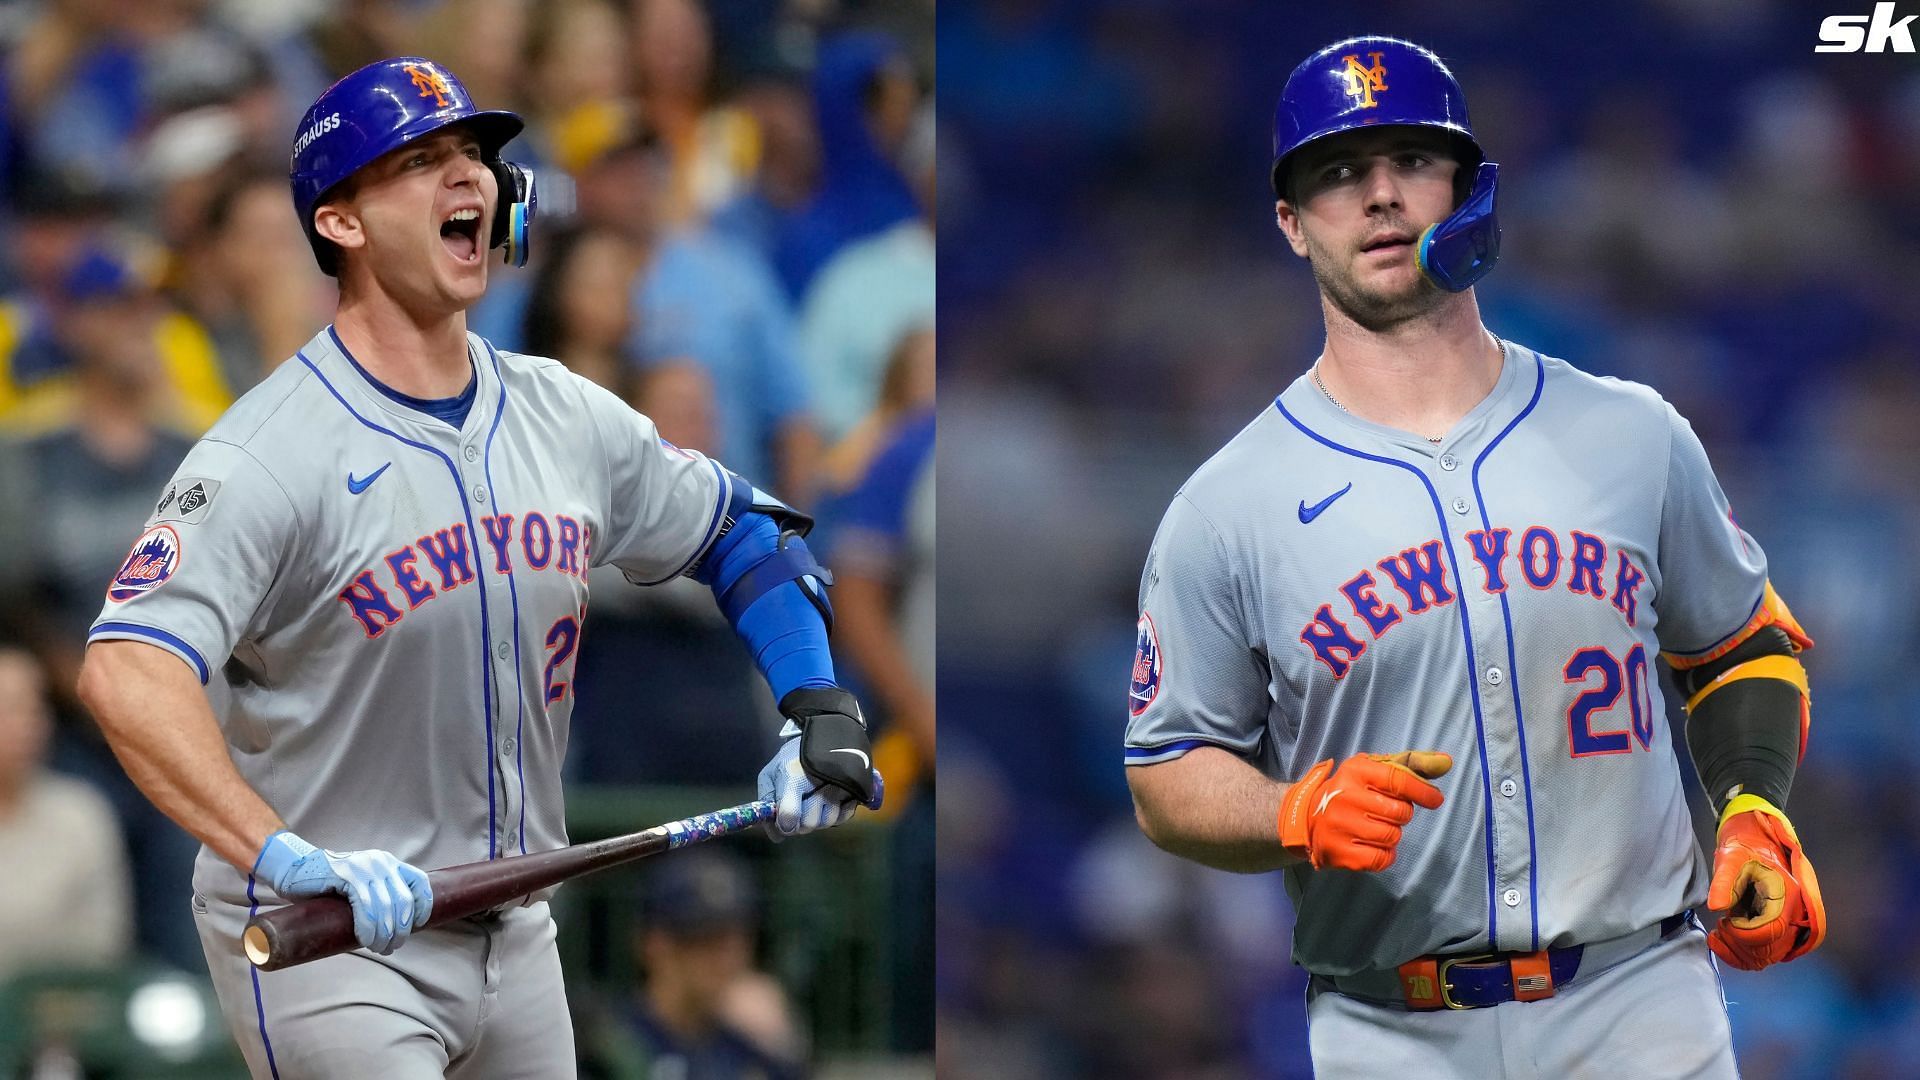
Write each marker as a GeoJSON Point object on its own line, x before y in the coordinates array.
{"type": "Point", "coordinates": [1397, 640]}
{"type": "Point", "coordinates": [381, 555]}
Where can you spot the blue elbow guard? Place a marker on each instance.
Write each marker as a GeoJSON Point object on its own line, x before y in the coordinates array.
{"type": "Point", "coordinates": [791, 561]}
{"type": "Point", "coordinates": [756, 556]}
{"type": "Point", "coordinates": [762, 546]}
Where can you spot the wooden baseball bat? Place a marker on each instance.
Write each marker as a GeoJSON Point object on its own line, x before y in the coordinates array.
{"type": "Point", "coordinates": [323, 925]}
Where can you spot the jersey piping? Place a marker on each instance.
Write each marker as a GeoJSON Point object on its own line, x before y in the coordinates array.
{"type": "Point", "coordinates": [1513, 662]}
{"type": "Point", "coordinates": [173, 644]}
{"type": "Point", "coordinates": [452, 410]}
{"type": "Point", "coordinates": [1466, 632]}
{"type": "Point", "coordinates": [1148, 755]}
{"type": "Point", "coordinates": [486, 633]}
{"type": "Point", "coordinates": [513, 595]}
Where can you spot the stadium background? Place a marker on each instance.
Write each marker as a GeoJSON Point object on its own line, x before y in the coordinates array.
{"type": "Point", "coordinates": [751, 264]}
{"type": "Point", "coordinates": [1690, 197]}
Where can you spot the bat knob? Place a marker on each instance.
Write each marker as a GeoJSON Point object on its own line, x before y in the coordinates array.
{"type": "Point", "coordinates": [879, 791]}
{"type": "Point", "coordinates": [256, 945]}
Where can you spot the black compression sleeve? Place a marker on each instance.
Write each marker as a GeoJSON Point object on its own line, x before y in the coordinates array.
{"type": "Point", "coordinates": [1747, 733]}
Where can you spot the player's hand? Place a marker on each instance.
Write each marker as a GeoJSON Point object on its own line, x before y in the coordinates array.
{"type": "Point", "coordinates": [1765, 884]}
{"type": "Point", "coordinates": [826, 769]}
{"type": "Point", "coordinates": [390, 898]}
{"type": "Point", "coordinates": [1350, 817]}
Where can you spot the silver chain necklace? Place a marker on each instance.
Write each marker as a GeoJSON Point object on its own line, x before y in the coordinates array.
{"type": "Point", "coordinates": [1317, 381]}
{"type": "Point", "coordinates": [1435, 439]}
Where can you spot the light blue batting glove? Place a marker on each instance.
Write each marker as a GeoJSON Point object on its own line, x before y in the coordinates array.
{"type": "Point", "coordinates": [800, 804]}
{"type": "Point", "coordinates": [390, 898]}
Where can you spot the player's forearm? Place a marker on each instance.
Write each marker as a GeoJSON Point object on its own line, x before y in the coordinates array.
{"type": "Point", "coordinates": [1213, 808]}
{"type": "Point", "coordinates": [156, 717]}
{"type": "Point", "coordinates": [1746, 733]}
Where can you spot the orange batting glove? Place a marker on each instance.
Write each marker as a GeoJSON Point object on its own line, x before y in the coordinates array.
{"type": "Point", "coordinates": [1759, 867]}
{"type": "Point", "coordinates": [1350, 817]}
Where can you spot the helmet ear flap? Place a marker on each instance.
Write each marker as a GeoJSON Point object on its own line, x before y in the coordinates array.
{"type": "Point", "coordinates": [515, 210]}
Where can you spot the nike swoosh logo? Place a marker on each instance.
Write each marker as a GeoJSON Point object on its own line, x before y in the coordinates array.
{"type": "Point", "coordinates": [358, 486]}
{"type": "Point", "coordinates": [861, 754]}
{"type": "Point", "coordinates": [1308, 513]}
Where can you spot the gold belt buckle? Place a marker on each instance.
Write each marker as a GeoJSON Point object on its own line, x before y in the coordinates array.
{"type": "Point", "coordinates": [1446, 988]}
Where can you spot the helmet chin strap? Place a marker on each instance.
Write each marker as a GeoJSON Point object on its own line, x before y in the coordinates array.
{"type": "Point", "coordinates": [1461, 249]}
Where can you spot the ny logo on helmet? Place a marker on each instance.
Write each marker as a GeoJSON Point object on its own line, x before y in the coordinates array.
{"type": "Point", "coordinates": [430, 83]}
{"type": "Point", "coordinates": [1363, 82]}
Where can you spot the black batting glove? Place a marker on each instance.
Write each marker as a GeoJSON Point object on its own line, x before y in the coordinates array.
{"type": "Point", "coordinates": [834, 748]}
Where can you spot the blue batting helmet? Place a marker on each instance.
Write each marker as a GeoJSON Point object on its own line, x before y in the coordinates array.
{"type": "Point", "coordinates": [383, 106]}
{"type": "Point", "coordinates": [1365, 82]}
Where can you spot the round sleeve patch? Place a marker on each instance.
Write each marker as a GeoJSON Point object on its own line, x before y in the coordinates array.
{"type": "Point", "coordinates": [154, 558]}
{"type": "Point", "coordinates": [1146, 667]}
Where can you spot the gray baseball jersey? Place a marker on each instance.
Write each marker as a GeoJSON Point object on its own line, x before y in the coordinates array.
{"type": "Point", "coordinates": [1326, 586]}
{"type": "Point", "coordinates": [394, 604]}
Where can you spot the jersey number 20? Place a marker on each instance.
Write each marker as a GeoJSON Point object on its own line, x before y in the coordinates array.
{"type": "Point", "coordinates": [562, 638]}
{"type": "Point", "coordinates": [1593, 700]}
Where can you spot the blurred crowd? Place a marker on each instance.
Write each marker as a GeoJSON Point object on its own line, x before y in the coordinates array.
{"type": "Point", "coordinates": [750, 263]}
{"type": "Point", "coordinates": [1691, 198]}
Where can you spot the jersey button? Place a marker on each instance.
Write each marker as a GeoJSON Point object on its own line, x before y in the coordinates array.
{"type": "Point", "coordinates": [1511, 896]}
{"type": "Point", "coordinates": [1495, 676]}
{"type": "Point", "coordinates": [479, 494]}
{"type": "Point", "coordinates": [1447, 461]}
{"type": "Point", "coordinates": [501, 650]}
{"type": "Point", "coordinates": [1459, 506]}
{"type": "Point", "coordinates": [514, 838]}
{"type": "Point", "coordinates": [1508, 787]}
{"type": "Point", "coordinates": [473, 453]}
{"type": "Point", "coordinates": [506, 747]}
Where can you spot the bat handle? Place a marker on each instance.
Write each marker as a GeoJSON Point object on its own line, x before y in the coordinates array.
{"type": "Point", "coordinates": [717, 823]}
{"type": "Point", "coordinates": [323, 925]}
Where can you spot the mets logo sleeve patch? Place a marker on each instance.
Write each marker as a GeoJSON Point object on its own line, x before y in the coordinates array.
{"type": "Point", "coordinates": [151, 563]}
{"type": "Point", "coordinates": [212, 599]}
{"type": "Point", "coordinates": [1146, 667]}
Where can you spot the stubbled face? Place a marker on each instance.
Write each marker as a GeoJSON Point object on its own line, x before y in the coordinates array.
{"type": "Point", "coordinates": [1359, 204]}
{"type": "Point", "coordinates": [417, 220]}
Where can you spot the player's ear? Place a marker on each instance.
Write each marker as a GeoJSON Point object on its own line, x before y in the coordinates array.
{"type": "Point", "coordinates": [337, 221]}
{"type": "Point", "coordinates": [1287, 216]}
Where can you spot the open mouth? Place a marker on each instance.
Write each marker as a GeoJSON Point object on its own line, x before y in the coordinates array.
{"type": "Point", "coordinates": [1389, 243]}
{"type": "Point", "coordinates": [460, 232]}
